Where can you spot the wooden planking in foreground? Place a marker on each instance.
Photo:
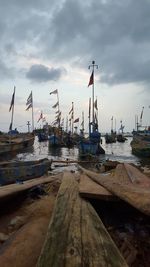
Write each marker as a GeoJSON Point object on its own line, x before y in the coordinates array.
{"type": "Point", "coordinates": [126, 184]}
{"type": "Point", "coordinates": [89, 189]}
{"type": "Point", "coordinates": [76, 236]}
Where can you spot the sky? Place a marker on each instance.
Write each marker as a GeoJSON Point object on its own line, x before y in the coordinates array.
{"type": "Point", "coordinates": [47, 45]}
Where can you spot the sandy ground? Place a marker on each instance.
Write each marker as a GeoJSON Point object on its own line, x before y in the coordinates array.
{"type": "Point", "coordinates": [26, 229]}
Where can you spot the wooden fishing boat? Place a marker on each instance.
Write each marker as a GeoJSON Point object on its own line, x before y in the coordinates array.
{"type": "Point", "coordinates": [9, 143]}
{"type": "Point", "coordinates": [141, 143]}
{"type": "Point", "coordinates": [111, 137]}
{"type": "Point", "coordinates": [12, 172]}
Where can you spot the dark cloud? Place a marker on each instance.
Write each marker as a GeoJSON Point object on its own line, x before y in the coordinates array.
{"type": "Point", "coordinates": [41, 73]}
{"type": "Point", "coordinates": [113, 33]}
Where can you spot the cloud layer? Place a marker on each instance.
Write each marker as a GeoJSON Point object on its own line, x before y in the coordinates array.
{"type": "Point", "coordinates": [114, 33]}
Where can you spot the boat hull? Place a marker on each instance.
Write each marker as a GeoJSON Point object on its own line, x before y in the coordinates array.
{"type": "Point", "coordinates": [87, 148]}
{"type": "Point", "coordinates": [12, 172]}
{"type": "Point", "coordinates": [10, 144]}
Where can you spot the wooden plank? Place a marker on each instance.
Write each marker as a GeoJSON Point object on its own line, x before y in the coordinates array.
{"type": "Point", "coordinates": [11, 190]}
{"type": "Point", "coordinates": [136, 176]}
{"type": "Point", "coordinates": [76, 236]}
{"type": "Point", "coordinates": [135, 194]}
{"type": "Point", "coordinates": [89, 189]}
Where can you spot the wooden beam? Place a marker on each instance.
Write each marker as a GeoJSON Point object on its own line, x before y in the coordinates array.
{"type": "Point", "coordinates": [120, 184]}
{"type": "Point", "coordinates": [76, 236]}
{"type": "Point", "coordinates": [90, 189]}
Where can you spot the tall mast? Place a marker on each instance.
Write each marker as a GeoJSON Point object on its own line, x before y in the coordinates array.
{"type": "Point", "coordinates": [93, 119]}
{"type": "Point", "coordinates": [12, 114]}
{"type": "Point", "coordinates": [58, 110]}
{"type": "Point", "coordinates": [32, 114]}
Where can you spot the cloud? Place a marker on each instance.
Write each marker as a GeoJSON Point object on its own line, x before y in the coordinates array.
{"type": "Point", "coordinates": [113, 33]}
{"type": "Point", "coordinates": [41, 73]}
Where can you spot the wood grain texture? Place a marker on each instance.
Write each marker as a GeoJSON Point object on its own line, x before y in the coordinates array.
{"type": "Point", "coordinates": [130, 188]}
{"type": "Point", "coordinates": [76, 236]}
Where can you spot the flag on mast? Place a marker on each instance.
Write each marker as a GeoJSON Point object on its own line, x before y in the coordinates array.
{"type": "Point", "coordinates": [55, 105]}
{"type": "Point", "coordinates": [91, 80]}
{"type": "Point", "coordinates": [12, 100]}
{"type": "Point", "coordinates": [29, 102]}
{"type": "Point", "coordinates": [41, 116]}
{"type": "Point", "coordinates": [95, 104]}
{"type": "Point", "coordinates": [54, 92]}
{"type": "Point", "coordinates": [142, 113]}
{"type": "Point", "coordinates": [77, 120]}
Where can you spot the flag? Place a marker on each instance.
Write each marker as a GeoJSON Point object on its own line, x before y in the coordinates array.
{"type": "Point", "coordinates": [54, 92]}
{"type": "Point", "coordinates": [71, 110]}
{"type": "Point", "coordinates": [142, 113]}
{"type": "Point", "coordinates": [29, 102]}
{"type": "Point", "coordinates": [41, 117]}
{"type": "Point", "coordinates": [77, 120]}
{"type": "Point", "coordinates": [30, 106]}
{"type": "Point", "coordinates": [55, 105]}
{"type": "Point", "coordinates": [95, 104]}
{"type": "Point", "coordinates": [91, 80]}
{"type": "Point", "coordinates": [12, 100]}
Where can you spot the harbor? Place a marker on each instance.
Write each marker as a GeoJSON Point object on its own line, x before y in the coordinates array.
{"type": "Point", "coordinates": [30, 203]}
{"type": "Point", "coordinates": [75, 133]}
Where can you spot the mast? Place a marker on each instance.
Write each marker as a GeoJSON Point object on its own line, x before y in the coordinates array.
{"type": "Point", "coordinates": [58, 110]}
{"type": "Point", "coordinates": [32, 114]}
{"type": "Point", "coordinates": [112, 124]}
{"type": "Point", "coordinates": [93, 119]}
{"type": "Point", "coordinates": [72, 116]}
{"type": "Point", "coordinates": [89, 115]}
{"type": "Point", "coordinates": [12, 107]}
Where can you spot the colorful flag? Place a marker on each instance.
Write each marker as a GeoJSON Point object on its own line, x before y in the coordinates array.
{"type": "Point", "coordinates": [91, 80]}
{"type": "Point", "coordinates": [54, 92]}
{"type": "Point", "coordinates": [12, 100]}
{"type": "Point", "coordinates": [77, 120]}
{"type": "Point", "coordinates": [55, 105]}
{"type": "Point", "coordinates": [41, 117]}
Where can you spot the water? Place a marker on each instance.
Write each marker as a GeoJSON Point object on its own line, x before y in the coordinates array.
{"type": "Point", "coordinates": [116, 151]}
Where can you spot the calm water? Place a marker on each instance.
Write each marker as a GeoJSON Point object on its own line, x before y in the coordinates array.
{"type": "Point", "coordinates": [116, 151]}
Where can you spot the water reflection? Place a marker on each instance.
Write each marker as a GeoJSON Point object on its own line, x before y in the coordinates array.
{"type": "Point", "coordinates": [116, 151]}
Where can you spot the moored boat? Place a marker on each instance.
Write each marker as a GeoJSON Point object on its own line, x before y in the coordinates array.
{"type": "Point", "coordinates": [12, 172]}
{"type": "Point", "coordinates": [11, 143]}
{"type": "Point", "coordinates": [141, 143]}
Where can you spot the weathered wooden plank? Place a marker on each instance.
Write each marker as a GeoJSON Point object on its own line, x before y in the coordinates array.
{"type": "Point", "coordinates": [136, 194]}
{"type": "Point", "coordinates": [136, 176]}
{"type": "Point", "coordinates": [89, 189]}
{"type": "Point", "coordinates": [8, 191]}
{"type": "Point", "coordinates": [76, 236]}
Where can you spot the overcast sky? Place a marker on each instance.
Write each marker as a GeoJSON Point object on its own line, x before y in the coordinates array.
{"type": "Point", "coordinates": [47, 45]}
